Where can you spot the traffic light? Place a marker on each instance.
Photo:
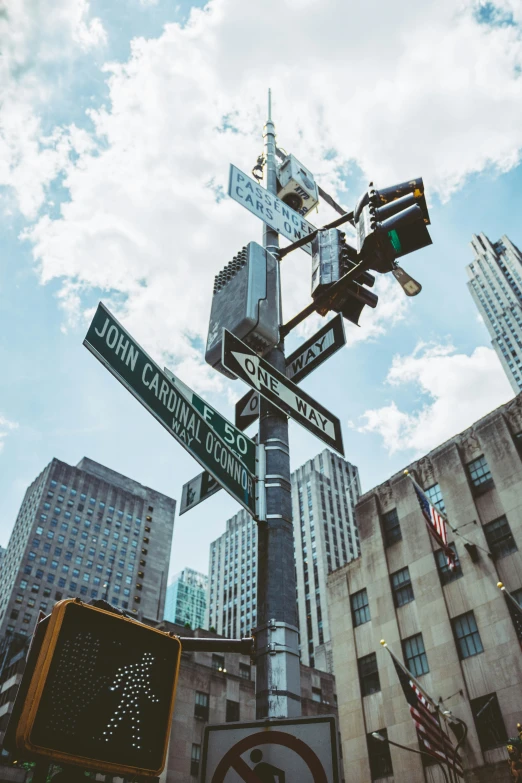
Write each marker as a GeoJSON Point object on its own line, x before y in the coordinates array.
{"type": "Point", "coordinates": [245, 301]}
{"type": "Point", "coordinates": [331, 259]}
{"type": "Point", "coordinates": [391, 223]}
{"type": "Point", "coordinates": [99, 692]}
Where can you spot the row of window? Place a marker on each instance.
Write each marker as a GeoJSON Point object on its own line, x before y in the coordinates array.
{"type": "Point", "coordinates": [498, 534]}
{"type": "Point", "coordinates": [467, 640]}
{"type": "Point", "coordinates": [401, 587]}
{"type": "Point", "coordinates": [480, 477]}
{"type": "Point", "coordinates": [83, 497]}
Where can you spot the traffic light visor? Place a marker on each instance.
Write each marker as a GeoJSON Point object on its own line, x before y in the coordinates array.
{"type": "Point", "coordinates": [102, 692]}
{"type": "Point", "coordinates": [414, 186]}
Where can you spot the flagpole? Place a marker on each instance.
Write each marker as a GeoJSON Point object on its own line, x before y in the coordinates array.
{"type": "Point", "coordinates": [513, 600]}
{"type": "Point", "coordinates": [439, 713]}
{"type": "Point", "coordinates": [410, 675]}
{"type": "Point", "coordinates": [410, 750]}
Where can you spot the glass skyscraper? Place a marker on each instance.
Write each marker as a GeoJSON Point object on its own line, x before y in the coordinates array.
{"type": "Point", "coordinates": [496, 287]}
{"type": "Point", "coordinates": [187, 599]}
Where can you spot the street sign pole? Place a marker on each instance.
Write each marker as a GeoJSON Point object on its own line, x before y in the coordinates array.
{"type": "Point", "coordinates": [278, 690]}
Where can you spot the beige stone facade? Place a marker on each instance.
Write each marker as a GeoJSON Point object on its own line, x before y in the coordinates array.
{"type": "Point", "coordinates": [479, 478]}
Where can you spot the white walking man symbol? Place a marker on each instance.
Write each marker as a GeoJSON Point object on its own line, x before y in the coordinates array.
{"type": "Point", "coordinates": [133, 680]}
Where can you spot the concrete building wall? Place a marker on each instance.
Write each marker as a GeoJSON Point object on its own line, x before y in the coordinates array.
{"type": "Point", "coordinates": [496, 670]}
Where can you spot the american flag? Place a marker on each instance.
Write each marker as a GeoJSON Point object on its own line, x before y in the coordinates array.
{"type": "Point", "coordinates": [436, 522]}
{"type": "Point", "coordinates": [423, 711]}
{"type": "Point", "coordinates": [515, 611]}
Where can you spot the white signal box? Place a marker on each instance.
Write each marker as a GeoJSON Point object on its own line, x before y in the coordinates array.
{"type": "Point", "coordinates": [297, 186]}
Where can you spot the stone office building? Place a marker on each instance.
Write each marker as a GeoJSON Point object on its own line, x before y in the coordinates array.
{"type": "Point", "coordinates": [452, 629]}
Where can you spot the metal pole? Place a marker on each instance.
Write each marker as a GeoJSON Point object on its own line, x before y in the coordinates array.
{"type": "Point", "coordinates": [278, 688]}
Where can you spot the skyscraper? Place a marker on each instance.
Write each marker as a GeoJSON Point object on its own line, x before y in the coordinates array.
{"type": "Point", "coordinates": [496, 287]}
{"type": "Point", "coordinates": [324, 492]}
{"type": "Point", "coordinates": [232, 578]}
{"type": "Point", "coordinates": [187, 599]}
{"type": "Point", "coordinates": [90, 532]}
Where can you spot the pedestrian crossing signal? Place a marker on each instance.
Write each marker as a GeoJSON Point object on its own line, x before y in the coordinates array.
{"type": "Point", "coordinates": [101, 693]}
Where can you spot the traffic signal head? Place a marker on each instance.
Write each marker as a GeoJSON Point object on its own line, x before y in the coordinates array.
{"type": "Point", "coordinates": [330, 261]}
{"type": "Point", "coordinates": [391, 222]}
{"type": "Point", "coordinates": [101, 692]}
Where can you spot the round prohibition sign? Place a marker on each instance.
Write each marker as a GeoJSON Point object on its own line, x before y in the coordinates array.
{"type": "Point", "coordinates": [232, 758]}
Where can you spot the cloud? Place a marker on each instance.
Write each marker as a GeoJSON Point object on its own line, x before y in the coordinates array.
{"type": "Point", "coordinates": [6, 427]}
{"type": "Point", "coordinates": [145, 221]}
{"type": "Point", "coordinates": [40, 41]}
{"type": "Point", "coordinates": [459, 389]}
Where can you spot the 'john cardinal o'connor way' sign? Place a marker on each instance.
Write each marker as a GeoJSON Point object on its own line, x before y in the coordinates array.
{"type": "Point", "coordinates": [129, 363]}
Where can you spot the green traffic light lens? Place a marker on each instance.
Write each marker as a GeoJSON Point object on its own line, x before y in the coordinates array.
{"type": "Point", "coordinates": [394, 239]}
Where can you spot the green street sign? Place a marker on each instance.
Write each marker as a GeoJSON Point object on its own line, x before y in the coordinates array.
{"type": "Point", "coordinates": [128, 362]}
{"type": "Point", "coordinates": [241, 445]}
{"type": "Point", "coordinates": [200, 488]}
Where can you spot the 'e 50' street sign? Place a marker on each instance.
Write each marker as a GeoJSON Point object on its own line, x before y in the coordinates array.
{"type": "Point", "coordinates": [129, 363]}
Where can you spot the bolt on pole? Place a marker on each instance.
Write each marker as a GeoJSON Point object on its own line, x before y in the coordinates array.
{"type": "Point", "coordinates": [278, 688]}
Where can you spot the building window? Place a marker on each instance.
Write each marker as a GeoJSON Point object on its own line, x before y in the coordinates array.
{"type": "Point", "coordinates": [244, 671]}
{"type": "Point", "coordinates": [391, 528]}
{"type": "Point", "coordinates": [447, 574]}
{"type": "Point", "coordinates": [201, 706]}
{"type": "Point", "coordinates": [415, 655]}
{"type": "Point", "coordinates": [401, 587]}
{"type": "Point", "coordinates": [317, 695]}
{"type": "Point", "coordinates": [434, 495]}
{"type": "Point", "coordinates": [479, 472]}
{"type": "Point", "coordinates": [218, 662]}
{"type": "Point", "coordinates": [489, 721]}
{"type": "Point", "coordinates": [369, 674]}
{"type": "Point", "coordinates": [467, 636]}
{"type": "Point", "coordinates": [379, 755]}
{"type": "Point", "coordinates": [195, 757]}
{"type": "Point", "coordinates": [232, 713]}
{"type": "Point", "coordinates": [360, 607]}
{"type": "Point", "coordinates": [500, 538]}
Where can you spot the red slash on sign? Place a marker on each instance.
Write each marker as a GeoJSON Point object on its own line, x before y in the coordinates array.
{"type": "Point", "coordinates": [232, 758]}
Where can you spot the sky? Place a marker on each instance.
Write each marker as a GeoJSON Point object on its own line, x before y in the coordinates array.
{"type": "Point", "coordinates": [118, 124]}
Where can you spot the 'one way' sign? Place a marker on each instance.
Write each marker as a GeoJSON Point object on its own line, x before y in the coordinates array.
{"type": "Point", "coordinates": [247, 365]}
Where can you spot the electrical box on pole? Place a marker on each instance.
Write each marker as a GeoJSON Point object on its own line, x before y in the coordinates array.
{"type": "Point", "coordinates": [330, 261]}
{"type": "Point", "coordinates": [101, 693]}
{"type": "Point", "coordinates": [296, 186]}
{"type": "Point", "coordinates": [391, 222]}
{"type": "Point", "coordinates": [246, 302]}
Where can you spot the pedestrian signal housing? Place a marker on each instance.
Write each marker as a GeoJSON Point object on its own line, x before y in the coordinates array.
{"type": "Point", "coordinates": [246, 302]}
{"type": "Point", "coordinates": [101, 692]}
